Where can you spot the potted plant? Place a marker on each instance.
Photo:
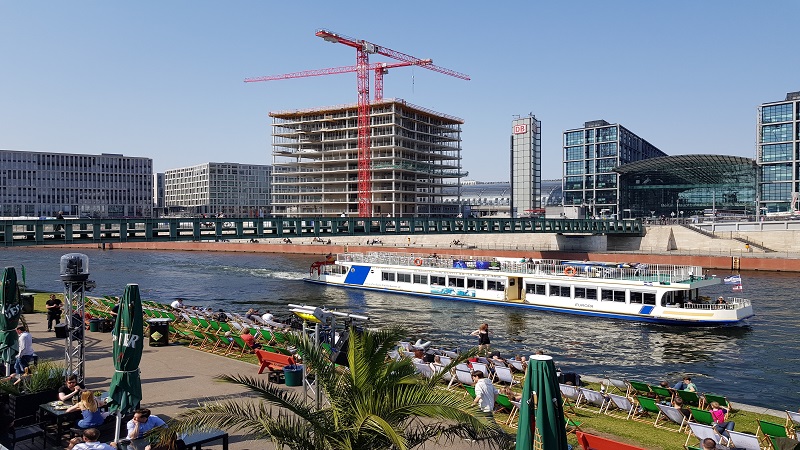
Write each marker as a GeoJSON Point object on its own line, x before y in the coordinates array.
{"type": "Point", "coordinates": [41, 387]}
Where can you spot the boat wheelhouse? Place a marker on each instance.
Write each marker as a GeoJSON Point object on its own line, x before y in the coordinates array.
{"type": "Point", "coordinates": [658, 293]}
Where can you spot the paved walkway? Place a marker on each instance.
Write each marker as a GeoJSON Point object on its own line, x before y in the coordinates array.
{"type": "Point", "coordinates": [174, 378]}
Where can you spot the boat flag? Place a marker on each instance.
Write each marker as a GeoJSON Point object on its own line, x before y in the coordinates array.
{"type": "Point", "coordinates": [733, 279]}
{"type": "Point", "coordinates": [737, 287]}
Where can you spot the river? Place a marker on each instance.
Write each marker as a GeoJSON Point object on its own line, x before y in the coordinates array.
{"type": "Point", "coordinates": [757, 363]}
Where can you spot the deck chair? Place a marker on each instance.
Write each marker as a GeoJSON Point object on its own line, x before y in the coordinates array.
{"type": "Point", "coordinates": [721, 399]}
{"type": "Point", "coordinates": [768, 429]}
{"type": "Point", "coordinates": [512, 417]}
{"type": "Point", "coordinates": [462, 377]}
{"type": "Point", "coordinates": [519, 366]}
{"type": "Point", "coordinates": [503, 374]}
{"type": "Point", "coordinates": [744, 441]}
{"type": "Point", "coordinates": [672, 414]}
{"type": "Point", "coordinates": [622, 404]}
{"type": "Point", "coordinates": [571, 425]}
{"type": "Point", "coordinates": [702, 416]}
{"type": "Point", "coordinates": [592, 397]}
{"type": "Point", "coordinates": [424, 370]}
{"type": "Point", "coordinates": [446, 376]}
{"type": "Point", "coordinates": [570, 394]}
{"type": "Point", "coordinates": [445, 360]}
{"type": "Point", "coordinates": [690, 398]}
{"type": "Point", "coordinates": [451, 355]}
{"type": "Point", "coordinates": [484, 369]}
{"type": "Point", "coordinates": [702, 432]}
{"type": "Point", "coordinates": [662, 393]}
{"type": "Point", "coordinates": [648, 405]}
{"type": "Point", "coordinates": [469, 390]}
{"type": "Point", "coordinates": [503, 402]}
{"type": "Point", "coordinates": [638, 388]}
{"type": "Point", "coordinates": [779, 443]}
{"type": "Point", "coordinates": [792, 421]}
{"type": "Point", "coordinates": [619, 385]}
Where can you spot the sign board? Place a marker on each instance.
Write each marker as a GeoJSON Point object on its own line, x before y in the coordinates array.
{"type": "Point", "coordinates": [521, 128]}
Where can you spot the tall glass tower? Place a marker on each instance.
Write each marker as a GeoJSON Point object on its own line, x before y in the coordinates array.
{"type": "Point", "coordinates": [526, 166]}
{"type": "Point", "coordinates": [778, 155]}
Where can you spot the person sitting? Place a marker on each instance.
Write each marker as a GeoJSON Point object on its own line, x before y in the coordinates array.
{"type": "Point", "coordinates": [685, 385]}
{"type": "Point", "coordinates": [142, 422]}
{"type": "Point", "coordinates": [249, 339]}
{"type": "Point", "coordinates": [268, 317]}
{"type": "Point", "coordinates": [70, 390]}
{"type": "Point", "coordinates": [710, 444]}
{"type": "Point", "coordinates": [89, 441]}
{"type": "Point", "coordinates": [220, 316]}
{"type": "Point", "coordinates": [718, 413]}
{"type": "Point", "coordinates": [252, 314]}
{"type": "Point", "coordinates": [178, 304]}
{"type": "Point", "coordinates": [678, 403]}
{"type": "Point", "coordinates": [511, 394]}
{"type": "Point", "coordinates": [419, 355]}
{"type": "Point", "coordinates": [89, 407]}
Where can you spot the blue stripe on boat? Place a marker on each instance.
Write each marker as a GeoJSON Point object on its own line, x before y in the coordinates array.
{"type": "Point", "coordinates": [357, 275]}
{"type": "Point", "coordinates": [647, 309]}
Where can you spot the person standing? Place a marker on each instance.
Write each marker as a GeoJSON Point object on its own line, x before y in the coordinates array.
{"type": "Point", "coordinates": [483, 337]}
{"type": "Point", "coordinates": [485, 393]}
{"type": "Point", "coordinates": [53, 306]}
{"type": "Point", "coordinates": [25, 355]}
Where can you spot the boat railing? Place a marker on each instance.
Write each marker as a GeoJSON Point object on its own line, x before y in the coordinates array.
{"type": "Point", "coordinates": [730, 303]}
{"type": "Point", "coordinates": [647, 273]}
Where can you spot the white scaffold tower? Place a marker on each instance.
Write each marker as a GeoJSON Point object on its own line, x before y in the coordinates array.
{"type": "Point", "coordinates": [75, 275]}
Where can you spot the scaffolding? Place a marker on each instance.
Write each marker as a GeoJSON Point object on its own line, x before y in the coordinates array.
{"type": "Point", "coordinates": [415, 161]}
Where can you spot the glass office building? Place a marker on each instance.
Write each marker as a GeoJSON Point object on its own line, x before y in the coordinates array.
{"type": "Point", "coordinates": [778, 155]}
{"type": "Point", "coordinates": [591, 154]}
{"type": "Point", "coordinates": [526, 166]}
{"type": "Point", "coordinates": [683, 186]}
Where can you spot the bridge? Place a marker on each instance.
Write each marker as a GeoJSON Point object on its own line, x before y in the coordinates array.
{"type": "Point", "coordinates": [22, 232]}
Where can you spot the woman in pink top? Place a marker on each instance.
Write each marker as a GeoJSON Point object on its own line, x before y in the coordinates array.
{"type": "Point", "coordinates": [718, 414]}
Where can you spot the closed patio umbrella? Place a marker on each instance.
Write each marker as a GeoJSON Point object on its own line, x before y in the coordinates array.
{"type": "Point", "coordinates": [541, 415]}
{"type": "Point", "coordinates": [10, 309]}
{"type": "Point", "coordinates": [126, 385]}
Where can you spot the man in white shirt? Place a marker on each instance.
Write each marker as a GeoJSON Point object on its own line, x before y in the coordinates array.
{"type": "Point", "coordinates": [177, 304]}
{"type": "Point", "coordinates": [267, 317]}
{"type": "Point", "coordinates": [485, 393]}
{"type": "Point", "coordinates": [25, 355]}
{"type": "Point", "coordinates": [90, 436]}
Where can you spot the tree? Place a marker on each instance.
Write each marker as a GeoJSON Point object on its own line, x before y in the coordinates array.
{"type": "Point", "coordinates": [376, 403]}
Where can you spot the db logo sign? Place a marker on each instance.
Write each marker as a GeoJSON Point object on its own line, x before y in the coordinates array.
{"type": "Point", "coordinates": [520, 129]}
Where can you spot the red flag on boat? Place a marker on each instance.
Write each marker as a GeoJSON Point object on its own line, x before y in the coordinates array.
{"type": "Point", "coordinates": [738, 287]}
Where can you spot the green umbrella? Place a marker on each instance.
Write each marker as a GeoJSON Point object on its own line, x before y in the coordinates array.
{"type": "Point", "coordinates": [541, 418]}
{"type": "Point", "coordinates": [10, 307]}
{"type": "Point", "coordinates": [126, 385]}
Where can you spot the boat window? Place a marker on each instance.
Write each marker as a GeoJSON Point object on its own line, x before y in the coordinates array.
{"type": "Point", "coordinates": [587, 293]}
{"type": "Point", "coordinates": [647, 298]}
{"type": "Point", "coordinates": [438, 281]}
{"type": "Point", "coordinates": [609, 295]}
{"type": "Point", "coordinates": [421, 279]}
{"type": "Point", "coordinates": [474, 284]}
{"type": "Point", "coordinates": [538, 289]}
{"type": "Point", "coordinates": [455, 282]}
{"type": "Point", "coordinates": [387, 276]}
{"type": "Point", "coordinates": [493, 285]}
{"type": "Point", "coordinates": [559, 291]}
{"type": "Point", "coordinates": [404, 277]}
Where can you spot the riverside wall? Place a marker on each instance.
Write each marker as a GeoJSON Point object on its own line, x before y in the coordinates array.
{"type": "Point", "coordinates": [661, 245]}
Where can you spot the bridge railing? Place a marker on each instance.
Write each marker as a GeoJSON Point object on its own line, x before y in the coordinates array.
{"type": "Point", "coordinates": [48, 231]}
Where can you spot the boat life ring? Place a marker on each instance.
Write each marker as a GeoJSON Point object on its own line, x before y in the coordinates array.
{"type": "Point", "coordinates": [570, 271]}
{"type": "Point", "coordinates": [417, 261]}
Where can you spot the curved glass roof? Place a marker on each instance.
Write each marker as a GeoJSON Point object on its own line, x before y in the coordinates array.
{"type": "Point", "coordinates": [690, 169]}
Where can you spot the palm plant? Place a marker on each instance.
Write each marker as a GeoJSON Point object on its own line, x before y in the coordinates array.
{"type": "Point", "coordinates": [376, 403]}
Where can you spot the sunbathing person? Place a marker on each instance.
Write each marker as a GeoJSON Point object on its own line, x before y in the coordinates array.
{"type": "Point", "coordinates": [721, 426]}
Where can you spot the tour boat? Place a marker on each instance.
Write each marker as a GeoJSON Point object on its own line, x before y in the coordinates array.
{"type": "Point", "coordinates": [656, 293]}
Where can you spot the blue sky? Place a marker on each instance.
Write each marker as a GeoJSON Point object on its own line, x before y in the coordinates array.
{"type": "Point", "coordinates": [163, 79]}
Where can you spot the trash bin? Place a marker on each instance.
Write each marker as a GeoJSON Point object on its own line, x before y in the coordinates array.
{"type": "Point", "coordinates": [94, 324]}
{"type": "Point", "coordinates": [159, 332]}
{"type": "Point", "coordinates": [61, 330]}
{"type": "Point", "coordinates": [27, 303]}
{"type": "Point", "coordinates": [293, 374]}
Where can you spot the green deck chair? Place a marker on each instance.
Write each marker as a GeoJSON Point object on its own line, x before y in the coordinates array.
{"type": "Point", "coordinates": [471, 391]}
{"type": "Point", "coordinates": [702, 416]}
{"type": "Point", "coordinates": [767, 430]}
{"type": "Point", "coordinates": [648, 406]}
{"type": "Point", "coordinates": [639, 388]}
{"type": "Point", "coordinates": [690, 398]}
{"type": "Point", "coordinates": [663, 393]}
{"type": "Point", "coordinates": [721, 399]}
{"type": "Point", "coordinates": [503, 402]}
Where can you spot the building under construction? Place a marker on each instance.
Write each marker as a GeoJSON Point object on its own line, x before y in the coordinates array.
{"type": "Point", "coordinates": [415, 161]}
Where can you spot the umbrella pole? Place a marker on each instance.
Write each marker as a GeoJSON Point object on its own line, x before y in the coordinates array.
{"type": "Point", "coordinates": [116, 430]}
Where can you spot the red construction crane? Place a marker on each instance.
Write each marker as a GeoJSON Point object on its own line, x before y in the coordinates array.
{"type": "Point", "coordinates": [363, 49]}
{"type": "Point", "coordinates": [380, 69]}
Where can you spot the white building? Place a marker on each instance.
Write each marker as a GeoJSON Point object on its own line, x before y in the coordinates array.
{"type": "Point", "coordinates": [38, 184]}
{"type": "Point", "coordinates": [234, 189]}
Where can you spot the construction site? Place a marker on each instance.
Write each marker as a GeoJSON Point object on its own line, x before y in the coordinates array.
{"type": "Point", "coordinates": [375, 158]}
